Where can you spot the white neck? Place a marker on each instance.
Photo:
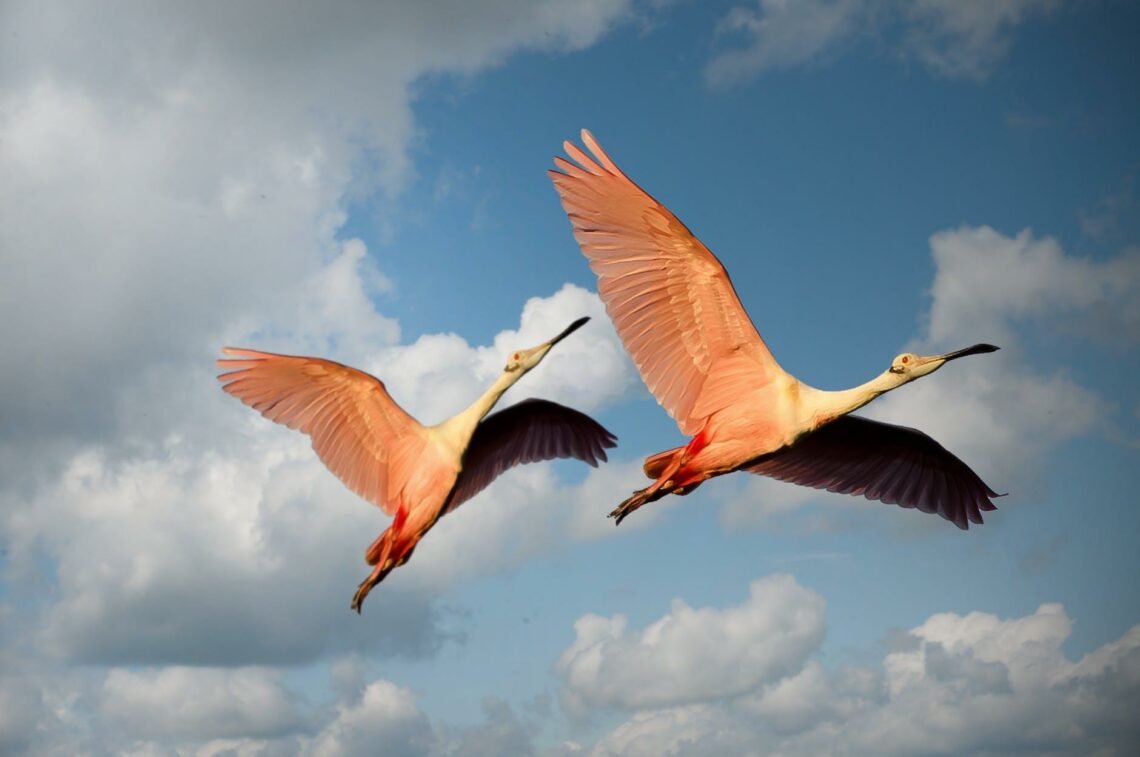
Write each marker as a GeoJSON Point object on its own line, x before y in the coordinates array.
{"type": "Point", "coordinates": [820, 406]}
{"type": "Point", "coordinates": [459, 428]}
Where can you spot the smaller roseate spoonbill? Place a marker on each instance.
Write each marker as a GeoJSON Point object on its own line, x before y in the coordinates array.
{"type": "Point", "coordinates": [416, 473]}
{"type": "Point", "coordinates": [700, 355]}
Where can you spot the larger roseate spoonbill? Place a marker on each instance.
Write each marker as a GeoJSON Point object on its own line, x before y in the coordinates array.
{"type": "Point", "coordinates": [416, 473]}
{"type": "Point", "coordinates": [680, 319]}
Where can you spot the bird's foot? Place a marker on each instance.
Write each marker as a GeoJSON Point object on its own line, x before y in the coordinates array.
{"type": "Point", "coordinates": [365, 587]}
{"type": "Point", "coordinates": [638, 499]}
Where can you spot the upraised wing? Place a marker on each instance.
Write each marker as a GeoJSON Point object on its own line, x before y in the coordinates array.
{"type": "Point", "coordinates": [363, 437]}
{"type": "Point", "coordinates": [893, 464]}
{"type": "Point", "coordinates": [528, 432]}
{"type": "Point", "coordinates": [669, 297]}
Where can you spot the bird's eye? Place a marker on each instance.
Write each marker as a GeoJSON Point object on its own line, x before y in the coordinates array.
{"type": "Point", "coordinates": [516, 356]}
{"type": "Point", "coordinates": [906, 359]}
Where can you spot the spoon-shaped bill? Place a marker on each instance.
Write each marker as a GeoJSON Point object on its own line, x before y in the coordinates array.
{"type": "Point", "coordinates": [569, 330]}
{"type": "Point", "coordinates": [977, 349]}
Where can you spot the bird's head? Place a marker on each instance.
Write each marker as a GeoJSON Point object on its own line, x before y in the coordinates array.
{"type": "Point", "coordinates": [522, 361]}
{"type": "Point", "coordinates": [908, 366]}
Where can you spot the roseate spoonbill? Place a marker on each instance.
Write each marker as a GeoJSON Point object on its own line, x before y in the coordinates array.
{"type": "Point", "coordinates": [680, 319]}
{"type": "Point", "coordinates": [416, 473]}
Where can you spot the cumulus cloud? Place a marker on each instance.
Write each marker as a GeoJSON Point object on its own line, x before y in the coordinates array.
{"type": "Point", "coordinates": [243, 711]}
{"type": "Point", "coordinates": [176, 179]}
{"type": "Point", "coordinates": [949, 37]}
{"type": "Point", "coordinates": [199, 703]}
{"type": "Point", "coordinates": [689, 730]}
{"type": "Point", "coordinates": [236, 533]}
{"type": "Point", "coordinates": [202, 160]}
{"type": "Point", "coordinates": [690, 655]}
{"type": "Point", "coordinates": [989, 283]}
{"type": "Point", "coordinates": [954, 684]}
{"type": "Point", "coordinates": [386, 715]}
{"type": "Point", "coordinates": [971, 683]}
{"type": "Point", "coordinates": [440, 374]}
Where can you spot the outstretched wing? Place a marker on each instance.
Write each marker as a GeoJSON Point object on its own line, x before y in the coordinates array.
{"type": "Point", "coordinates": [363, 437]}
{"type": "Point", "coordinates": [530, 431]}
{"type": "Point", "coordinates": [669, 297]}
{"type": "Point", "coordinates": [893, 464]}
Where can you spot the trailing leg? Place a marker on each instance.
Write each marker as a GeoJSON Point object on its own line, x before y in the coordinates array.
{"type": "Point", "coordinates": [390, 549]}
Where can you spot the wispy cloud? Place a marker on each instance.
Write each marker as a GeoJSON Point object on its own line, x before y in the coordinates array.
{"type": "Point", "coordinates": [949, 38]}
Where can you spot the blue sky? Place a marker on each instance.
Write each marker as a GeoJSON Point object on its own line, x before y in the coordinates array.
{"type": "Point", "coordinates": [369, 185]}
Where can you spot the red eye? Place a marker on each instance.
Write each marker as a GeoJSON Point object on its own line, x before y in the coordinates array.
{"type": "Point", "coordinates": [516, 356]}
{"type": "Point", "coordinates": [906, 359]}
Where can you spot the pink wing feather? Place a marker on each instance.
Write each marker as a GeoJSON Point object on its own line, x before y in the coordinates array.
{"type": "Point", "coordinates": [358, 431]}
{"type": "Point", "coordinates": [893, 464]}
{"type": "Point", "coordinates": [530, 431]}
{"type": "Point", "coordinates": [669, 297]}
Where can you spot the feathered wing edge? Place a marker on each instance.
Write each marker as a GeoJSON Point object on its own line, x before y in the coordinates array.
{"type": "Point", "coordinates": [527, 432]}
{"type": "Point", "coordinates": [880, 461]}
{"type": "Point", "coordinates": [670, 299]}
{"type": "Point", "coordinates": [357, 430]}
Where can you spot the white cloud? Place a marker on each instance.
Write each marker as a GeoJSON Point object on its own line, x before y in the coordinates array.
{"type": "Point", "coordinates": [761, 501]}
{"type": "Point", "coordinates": [21, 711]}
{"type": "Point", "coordinates": [689, 730]}
{"type": "Point", "coordinates": [176, 179]}
{"type": "Point", "coordinates": [988, 282]}
{"type": "Point", "coordinates": [440, 374]}
{"type": "Point", "coordinates": [955, 684]}
{"type": "Point", "coordinates": [236, 533]}
{"type": "Point", "coordinates": [691, 655]}
{"type": "Point", "coordinates": [811, 697]}
{"type": "Point", "coordinates": [781, 34]}
{"type": "Point", "coordinates": [386, 716]}
{"type": "Point", "coordinates": [970, 683]}
{"type": "Point", "coordinates": [172, 170]}
{"type": "Point", "coordinates": [199, 703]}
{"type": "Point", "coordinates": [966, 37]}
{"type": "Point", "coordinates": [953, 38]}
{"type": "Point", "coordinates": [245, 711]}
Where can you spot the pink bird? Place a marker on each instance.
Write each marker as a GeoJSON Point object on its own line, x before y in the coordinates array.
{"type": "Point", "coordinates": [680, 319]}
{"type": "Point", "coordinates": [416, 473]}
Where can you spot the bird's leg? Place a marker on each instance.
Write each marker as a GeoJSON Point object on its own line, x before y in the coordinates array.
{"type": "Point", "coordinates": [639, 498]}
{"type": "Point", "coordinates": [384, 554]}
{"type": "Point", "coordinates": [674, 477]}
{"type": "Point", "coordinates": [375, 577]}
{"type": "Point", "coordinates": [653, 492]}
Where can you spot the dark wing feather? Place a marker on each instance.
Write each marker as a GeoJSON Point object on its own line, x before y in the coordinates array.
{"type": "Point", "coordinates": [528, 432]}
{"type": "Point", "coordinates": [893, 464]}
